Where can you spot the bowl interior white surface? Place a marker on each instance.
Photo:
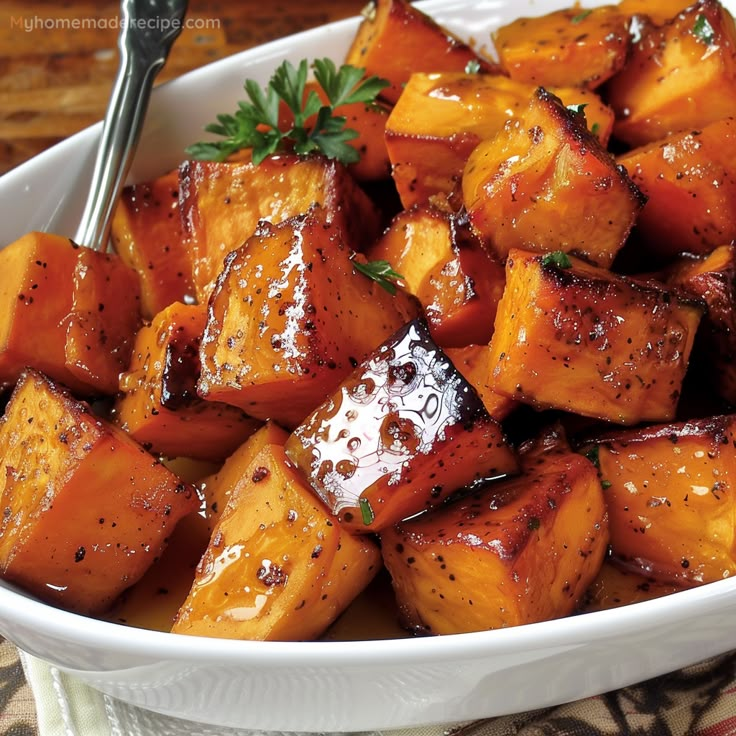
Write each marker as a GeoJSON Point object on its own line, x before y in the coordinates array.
{"type": "Point", "coordinates": [332, 686]}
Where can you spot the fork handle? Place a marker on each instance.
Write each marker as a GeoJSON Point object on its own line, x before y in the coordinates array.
{"type": "Point", "coordinates": [149, 28]}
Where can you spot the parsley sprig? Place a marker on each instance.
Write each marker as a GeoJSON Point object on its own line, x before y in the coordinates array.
{"type": "Point", "coordinates": [255, 124]}
{"type": "Point", "coordinates": [381, 272]}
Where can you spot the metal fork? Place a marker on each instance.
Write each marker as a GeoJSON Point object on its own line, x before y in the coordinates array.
{"type": "Point", "coordinates": [148, 30]}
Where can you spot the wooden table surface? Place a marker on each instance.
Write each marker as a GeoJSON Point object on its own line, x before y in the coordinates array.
{"type": "Point", "coordinates": [55, 79]}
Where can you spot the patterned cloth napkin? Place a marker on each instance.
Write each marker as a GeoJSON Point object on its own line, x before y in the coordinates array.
{"type": "Point", "coordinates": [697, 701]}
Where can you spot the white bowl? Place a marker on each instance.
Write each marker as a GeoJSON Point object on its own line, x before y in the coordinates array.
{"type": "Point", "coordinates": [332, 686]}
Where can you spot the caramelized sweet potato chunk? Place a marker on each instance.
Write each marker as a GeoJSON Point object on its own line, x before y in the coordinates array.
{"type": "Point", "coordinates": [290, 318]}
{"type": "Point", "coordinates": [521, 551]}
{"type": "Point", "coordinates": [670, 498]}
{"type": "Point", "coordinates": [278, 566]}
{"type": "Point", "coordinates": [218, 487]}
{"type": "Point", "coordinates": [713, 279]}
{"type": "Point", "coordinates": [690, 189]}
{"type": "Point", "coordinates": [401, 433]}
{"type": "Point", "coordinates": [615, 586]}
{"type": "Point", "coordinates": [457, 282]}
{"type": "Point", "coordinates": [85, 509]}
{"type": "Point", "coordinates": [440, 118]}
{"type": "Point", "coordinates": [655, 11]}
{"type": "Point", "coordinates": [222, 203]}
{"type": "Point", "coordinates": [396, 39]}
{"type": "Point", "coordinates": [147, 234]}
{"type": "Point", "coordinates": [576, 337]}
{"type": "Point", "coordinates": [570, 47]}
{"type": "Point", "coordinates": [159, 406]}
{"type": "Point", "coordinates": [545, 184]}
{"type": "Point", "coordinates": [680, 76]}
{"type": "Point", "coordinates": [473, 361]}
{"type": "Point", "coordinates": [69, 312]}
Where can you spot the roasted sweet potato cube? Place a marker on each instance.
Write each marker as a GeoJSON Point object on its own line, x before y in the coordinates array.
{"type": "Point", "coordinates": [691, 193]}
{"type": "Point", "coordinates": [69, 312]}
{"type": "Point", "coordinates": [153, 602]}
{"type": "Point", "coordinates": [576, 337]}
{"type": "Point", "coordinates": [440, 118]}
{"type": "Point", "coordinates": [520, 551]}
{"type": "Point", "coordinates": [713, 279]}
{"type": "Point", "coordinates": [570, 47]}
{"type": "Point", "coordinates": [86, 510]}
{"type": "Point", "coordinates": [396, 39]}
{"type": "Point", "coordinates": [159, 406]}
{"type": "Point", "coordinates": [680, 76]}
{"type": "Point", "coordinates": [473, 361]}
{"type": "Point", "coordinates": [290, 318]}
{"type": "Point", "coordinates": [218, 487]}
{"type": "Point", "coordinates": [669, 492]}
{"type": "Point", "coordinates": [615, 586]}
{"type": "Point", "coordinates": [222, 203]}
{"type": "Point", "coordinates": [401, 433]}
{"type": "Point", "coordinates": [655, 11]}
{"type": "Point", "coordinates": [147, 234]}
{"type": "Point", "coordinates": [278, 566]}
{"type": "Point", "coordinates": [457, 281]}
{"type": "Point", "coordinates": [545, 184]}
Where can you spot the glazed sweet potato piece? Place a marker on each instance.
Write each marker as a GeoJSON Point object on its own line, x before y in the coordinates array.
{"type": "Point", "coordinates": [440, 118]}
{"type": "Point", "coordinates": [670, 498]}
{"type": "Point", "coordinates": [290, 318]}
{"type": "Point", "coordinates": [85, 509]}
{"type": "Point", "coordinates": [680, 76]}
{"type": "Point", "coordinates": [146, 233]}
{"type": "Point", "coordinates": [401, 433]}
{"type": "Point", "coordinates": [473, 361]}
{"type": "Point", "coordinates": [521, 551]}
{"type": "Point", "coordinates": [222, 203]}
{"type": "Point", "coordinates": [576, 337]}
{"type": "Point", "coordinates": [655, 11]}
{"type": "Point", "coordinates": [691, 194]}
{"type": "Point", "coordinates": [69, 312]}
{"type": "Point", "coordinates": [158, 405]}
{"type": "Point", "coordinates": [615, 586]}
{"type": "Point", "coordinates": [396, 39]}
{"type": "Point", "coordinates": [457, 282]}
{"type": "Point", "coordinates": [221, 485]}
{"type": "Point", "coordinates": [544, 183]}
{"type": "Point", "coordinates": [278, 566]}
{"type": "Point", "coordinates": [713, 279]}
{"type": "Point", "coordinates": [570, 47]}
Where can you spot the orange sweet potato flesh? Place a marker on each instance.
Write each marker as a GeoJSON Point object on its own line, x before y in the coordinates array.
{"type": "Point", "coordinates": [570, 47]}
{"type": "Point", "coordinates": [146, 233]}
{"type": "Point", "coordinates": [159, 406]}
{"type": "Point", "coordinates": [582, 339]}
{"type": "Point", "coordinates": [278, 566]}
{"type": "Point", "coordinates": [713, 279]}
{"type": "Point", "coordinates": [81, 306]}
{"type": "Point", "coordinates": [86, 509]}
{"type": "Point", "coordinates": [218, 487]}
{"type": "Point", "coordinates": [290, 318]}
{"type": "Point", "coordinates": [680, 76]}
{"type": "Point", "coordinates": [396, 39]}
{"type": "Point", "coordinates": [691, 193]}
{"type": "Point", "coordinates": [615, 586]}
{"type": "Point", "coordinates": [656, 11]}
{"type": "Point", "coordinates": [544, 183]}
{"type": "Point", "coordinates": [523, 550]}
{"type": "Point", "coordinates": [670, 498]}
{"type": "Point", "coordinates": [456, 280]}
{"type": "Point", "coordinates": [222, 203]}
{"type": "Point", "coordinates": [440, 118]}
{"type": "Point", "coordinates": [473, 361]}
{"type": "Point", "coordinates": [401, 433]}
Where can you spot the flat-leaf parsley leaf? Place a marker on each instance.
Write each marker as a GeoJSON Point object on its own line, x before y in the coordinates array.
{"type": "Point", "coordinates": [255, 124]}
